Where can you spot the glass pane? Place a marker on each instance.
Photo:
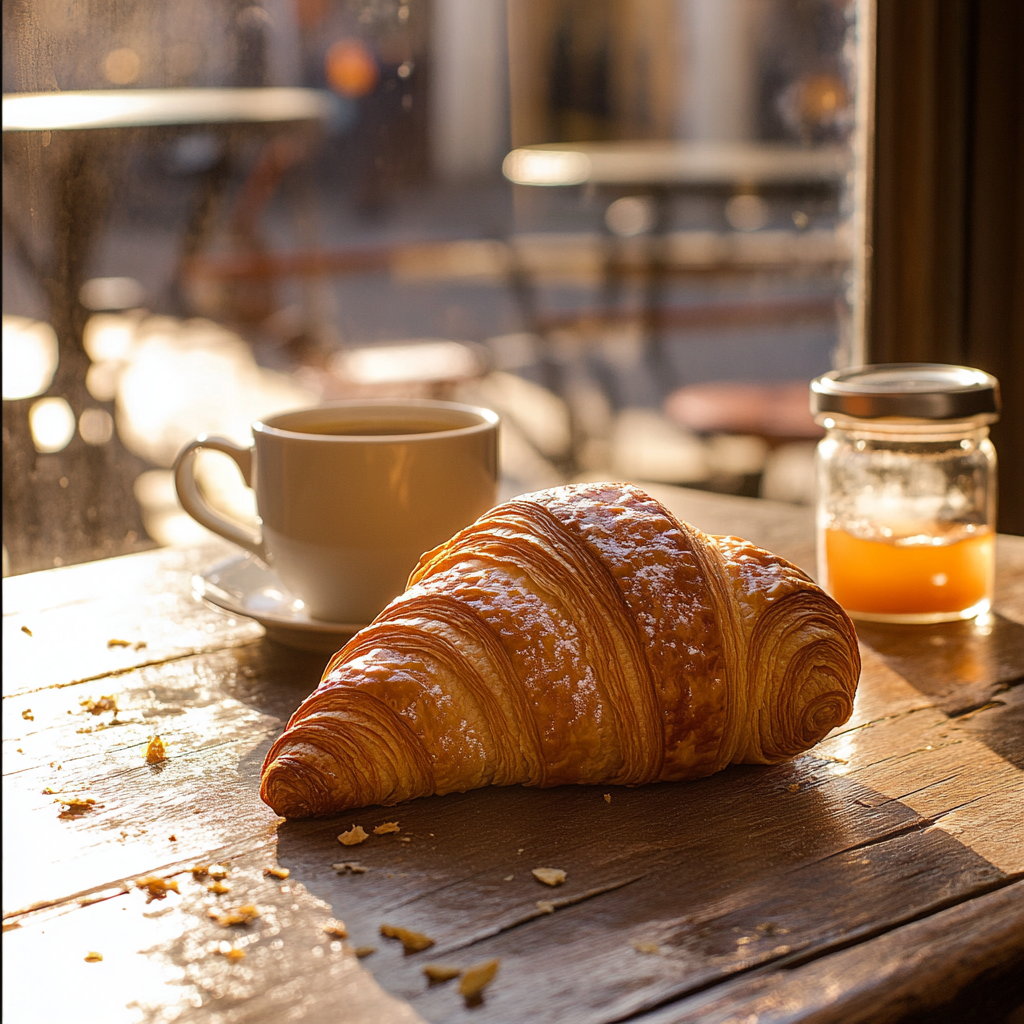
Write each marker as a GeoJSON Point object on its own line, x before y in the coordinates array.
{"type": "Point", "coordinates": [628, 225]}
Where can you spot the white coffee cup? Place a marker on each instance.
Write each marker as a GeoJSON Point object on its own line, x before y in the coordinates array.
{"type": "Point", "coordinates": [350, 494]}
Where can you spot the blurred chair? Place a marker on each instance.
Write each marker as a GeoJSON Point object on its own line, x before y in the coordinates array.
{"type": "Point", "coordinates": [774, 416]}
{"type": "Point", "coordinates": [777, 412]}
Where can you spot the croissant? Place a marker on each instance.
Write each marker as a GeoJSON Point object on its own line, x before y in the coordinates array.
{"type": "Point", "coordinates": [575, 635]}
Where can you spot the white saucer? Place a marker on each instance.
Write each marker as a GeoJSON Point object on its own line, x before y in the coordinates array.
{"type": "Point", "coordinates": [244, 586]}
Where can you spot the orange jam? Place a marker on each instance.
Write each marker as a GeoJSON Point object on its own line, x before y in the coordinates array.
{"type": "Point", "coordinates": [910, 576]}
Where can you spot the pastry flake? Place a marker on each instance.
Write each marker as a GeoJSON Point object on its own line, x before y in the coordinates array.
{"type": "Point", "coordinates": [412, 942]}
{"type": "Point", "coordinates": [240, 915]}
{"type": "Point", "coordinates": [155, 751]}
{"type": "Point", "coordinates": [437, 974]}
{"type": "Point", "coordinates": [549, 876]}
{"type": "Point", "coordinates": [97, 707]}
{"type": "Point", "coordinates": [157, 887]}
{"type": "Point", "coordinates": [476, 978]}
{"type": "Point", "coordinates": [355, 835]}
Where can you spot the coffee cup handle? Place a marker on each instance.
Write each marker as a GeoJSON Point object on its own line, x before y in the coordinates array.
{"type": "Point", "coordinates": [197, 506]}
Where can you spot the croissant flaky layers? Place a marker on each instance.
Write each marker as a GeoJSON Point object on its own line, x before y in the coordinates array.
{"type": "Point", "coordinates": [575, 635]}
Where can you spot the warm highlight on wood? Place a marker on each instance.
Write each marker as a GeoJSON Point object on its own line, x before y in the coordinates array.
{"type": "Point", "coordinates": [577, 635]}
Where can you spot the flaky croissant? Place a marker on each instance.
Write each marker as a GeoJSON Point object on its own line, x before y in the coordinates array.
{"type": "Point", "coordinates": [576, 635]}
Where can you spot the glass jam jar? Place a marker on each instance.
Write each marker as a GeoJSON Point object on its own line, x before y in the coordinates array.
{"type": "Point", "coordinates": [907, 490]}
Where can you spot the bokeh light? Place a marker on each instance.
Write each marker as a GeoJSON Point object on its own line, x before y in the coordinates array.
{"type": "Point", "coordinates": [111, 293]}
{"type": "Point", "coordinates": [109, 337]}
{"type": "Point", "coordinates": [29, 357]}
{"type": "Point", "coordinates": [121, 66]}
{"type": "Point", "coordinates": [630, 216]}
{"type": "Point", "coordinates": [351, 68]}
{"type": "Point", "coordinates": [746, 212]}
{"type": "Point", "coordinates": [96, 426]}
{"type": "Point", "coordinates": [52, 423]}
{"type": "Point", "coordinates": [821, 97]}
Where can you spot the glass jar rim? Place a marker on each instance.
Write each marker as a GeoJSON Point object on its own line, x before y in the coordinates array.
{"type": "Point", "coordinates": [923, 392]}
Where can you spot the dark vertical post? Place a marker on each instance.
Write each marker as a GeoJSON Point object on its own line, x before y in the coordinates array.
{"type": "Point", "coordinates": [947, 280]}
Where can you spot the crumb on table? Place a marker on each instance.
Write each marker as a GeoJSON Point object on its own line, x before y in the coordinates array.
{"type": "Point", "coordinates": [439, 973]}
{"type": "Point", "coordinates": [549, 876]}
{"type": "Point", "coordinates": [545, 906]}
{"type": "Point", "coordinates": [28, 632]}
{"type": "Point", "coordinates": [643, 946]}
{"type": "Point", "coordinates": [356, 834]}
{"type": "Point", "coordinates": [73, 806]}
{"type": "Point", "coordinates": [336, 928]}
{"type": "Point", "coordinates": [27, 715]}
{"type": "Point", "coordinates": [97, 707]}
{"type": "Point", "coordinates": [386, 827]}
{"type": "Point", "coordinates": [476, 979]}
{"type": "Point", "coordinates": [114, 642]}
{"type": "Point", "coordinates": [361, 951]}
{"type": "Point", "coordinates": [240, 915]}
{"type": "Point", "coordinates": [218, 888]}
{"type": "Point", "coordinates": [92, 957]}
{"type": "Point", "coordinates": [277, 872]}
{"type": "Point", "coordinates": [412, 942]}
{"type": "Point", "coordinates": [155, 751]}
{"type": "Point", "coordinates": [156, 886]}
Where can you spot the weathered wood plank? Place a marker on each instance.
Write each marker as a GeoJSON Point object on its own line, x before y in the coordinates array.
{"type": "Point", "coordinates": [913, 971]}
{"type": "Point", "coordinates": [162, 960]}
{"type": "Point", "coordinates": [144, 599]}
{"type": "Point", "coordinates": [205, 794]}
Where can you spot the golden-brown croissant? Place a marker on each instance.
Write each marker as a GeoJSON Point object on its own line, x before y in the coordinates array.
{"type": "Point", "coordinates": [576, 635]}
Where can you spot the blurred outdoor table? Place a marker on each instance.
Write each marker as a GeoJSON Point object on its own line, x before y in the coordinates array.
{"type": "Point", "coordinates": [656, 172]}
{"type": "Point", "coordinates": [876, 877]}
{"type": "Point", "coordinates": [150, 108]}
{"type": "Point", "coordinates": [676, 164]}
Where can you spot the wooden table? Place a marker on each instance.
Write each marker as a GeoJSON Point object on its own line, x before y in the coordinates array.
{"type": "Point", "coordinates": [877, 877]}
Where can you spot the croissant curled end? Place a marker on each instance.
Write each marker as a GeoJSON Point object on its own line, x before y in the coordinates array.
{"type": "Point", "coordinates": [344, 749]}
{"type": "Point", "coordinates": [294, 788]}
{"type": "Point", "coordinates": [811, 673]}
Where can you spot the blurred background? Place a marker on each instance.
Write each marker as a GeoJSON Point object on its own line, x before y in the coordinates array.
{"type": "Point", "coordinates": [633, 227]}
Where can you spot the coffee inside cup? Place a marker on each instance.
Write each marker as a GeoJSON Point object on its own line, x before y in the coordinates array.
{"type": "Point", "coordinates": [371, 428]}
{"type": "Point", "coordinates": [386, 421]}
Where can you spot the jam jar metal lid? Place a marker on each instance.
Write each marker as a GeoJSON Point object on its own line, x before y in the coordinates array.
{"type": "Point", "coordinates": [928, 391]}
